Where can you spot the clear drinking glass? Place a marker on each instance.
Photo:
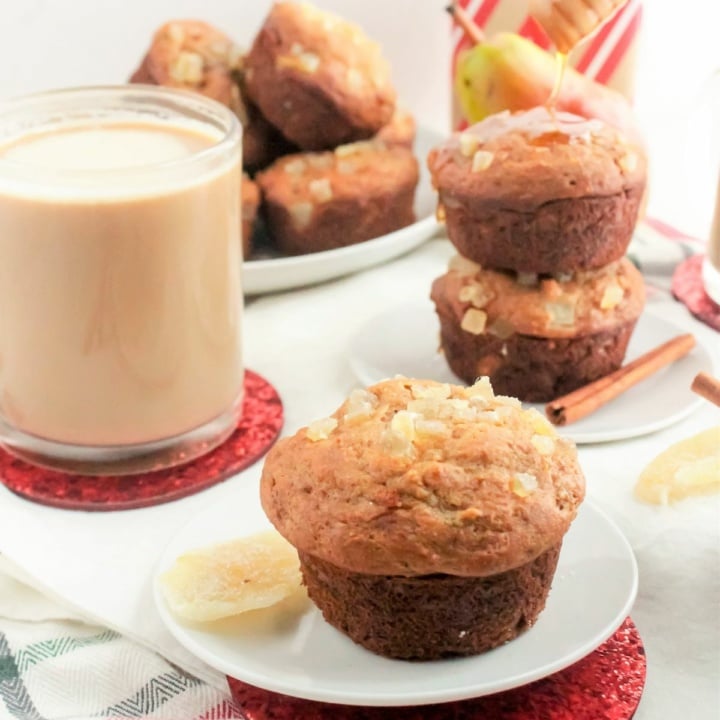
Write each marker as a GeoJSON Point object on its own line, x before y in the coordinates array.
{"type": "Point", "coordinates": [120, 278]}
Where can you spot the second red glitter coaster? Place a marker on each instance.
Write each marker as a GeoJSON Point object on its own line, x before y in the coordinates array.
{"type": "Point", "coordinates": [257, 430]}
{"type": "Point", "coordinates": [605, 685]}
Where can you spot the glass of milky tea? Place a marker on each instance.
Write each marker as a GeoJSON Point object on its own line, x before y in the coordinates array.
{"type": "Point", "coordinates": [120, 278]}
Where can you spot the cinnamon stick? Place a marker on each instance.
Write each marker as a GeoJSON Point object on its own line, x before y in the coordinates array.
{"type": "Point", "coordinates": [473, 32]}
{"type": "Point", "coordinates": [707, 386]}
{"type": "Point", "coordinates": [588, 399]}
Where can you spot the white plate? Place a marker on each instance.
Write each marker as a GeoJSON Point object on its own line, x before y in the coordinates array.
{"type": "Point", "coordinates": [284, 273]}
{"type": "Point", "coordinates": [302, 656]}
{"type": "Point", "coordinates": [405, 340]}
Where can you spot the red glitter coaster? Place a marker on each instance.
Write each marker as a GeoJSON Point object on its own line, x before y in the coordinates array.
{"type": "Point", "coordinates": [257, 430]}
{"type": "Point", "coordinates": [605, 685]}
{"type": "Point", "coordinates": [688, 288]}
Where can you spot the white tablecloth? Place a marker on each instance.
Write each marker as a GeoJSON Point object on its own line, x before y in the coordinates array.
{"type": "Point", "coordinates": [100, 565]}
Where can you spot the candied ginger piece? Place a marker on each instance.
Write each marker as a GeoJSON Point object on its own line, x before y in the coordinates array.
{"type": "Point", "coordinates": [523, 484]}
{"type": "Point", "coordinates": [539, 423]}
{"type": "Point", "coordinates": [232, 577]}
{"type": "Point", "coordinates": [544, 444]}
{"type": "Point", "coordinates": [321, 429]}
{"type": "Point", "coordinates": [437, 392]}
{"type": "Point", "coordinates": [689, 467]}
{"type": "Point", "coordinates": [403, 424]}
{"type": "Point", "coordinates": [360, 405]}
{"type": "Point", "coordinates": [481, 388]}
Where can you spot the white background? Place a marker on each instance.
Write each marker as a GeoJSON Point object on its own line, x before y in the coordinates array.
{"type": "Point", "coordinates": [53, 43]}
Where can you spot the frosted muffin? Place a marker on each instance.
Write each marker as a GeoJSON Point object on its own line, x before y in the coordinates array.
{"type": "Point", "coordinates": [325, 200]}
{"type": "Point", "coordinates": [534, 192]}
{"type": "Point", "coordinates": [537, 337]}
{"type": "Point", "coordinates": [428, 517]}
{"type": "Point", "coordinates": [318, 78]}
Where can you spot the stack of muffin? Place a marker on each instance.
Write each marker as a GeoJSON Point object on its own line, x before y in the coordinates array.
{"type": "Point", "coordinates": [316, 91]}
{"type": "Point", "coordinates": [541, 206]}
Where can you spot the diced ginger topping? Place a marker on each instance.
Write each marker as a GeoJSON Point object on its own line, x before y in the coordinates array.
{"type": "Point", "coordinates": [320, 429]}
{"type": "Point", "coordinates": [560, 313]}
{"type": "Point", "coordinates": [346, 167]}
{"type": "Point", "coordinates": [544, 444]}
{"type": "Point", "coordinates": [437, 392]}
{"type": "Point", "coordinates": [176, 33]}
{"type": "Point", "coordinates": [540, 424]}
{"type": "Point", "coordinates": [403, 423]}
{"type": "Point", "coordinates": [295, 167]}
{"type": "Point", "coordinates": [481, 388]}
{"type": "Point", "coordinates": [469, 144]}
{"type": "Point", "coordinates": [463, 266]}
{"type": "Point", "coordinates": [612, 297]}
{"type": "Point", "coordinates": [482, 160]}
{"type": "Point", "coordinates": [359, 405]}
{"type": "Point", "coordinates": [628, 162]}
{"type": "Point", "coordinates": [475, 294]}
{"type": "Point", "coordinates": [523, 484]}
{"type": "Point", "coordinates": [306, 62]}
{"type": "Point", "coordinates": [354, 78]}
{"type": "Point", "coordinates": [301, 214]}
{"type": "Point", "coordinates": [352, 148]}
{"type": "Point", "coordinates": [187, 68]}
{"type": "Point", "coordinates": [474, 321]}
{"type": "Point", "coordinates": [320, 189]}
{"type": "Point", "coordinates": [508, 401]}
{"type": "Point", "coordinates": [430, 427]}
{"type": "Point", "coordinates": [320, 160]}
{"type": "Point", "coordinates": [233, 577]}
{"type": "Point", "coordinates": [397, 443]}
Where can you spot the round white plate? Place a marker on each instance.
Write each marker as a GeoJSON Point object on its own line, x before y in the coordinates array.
{"type": "Point", "coordinates": [284, 273]}
{"type": "Point", "coordinates": [405, 341]}
{"type": "Point", "coordinates": [301, 655]}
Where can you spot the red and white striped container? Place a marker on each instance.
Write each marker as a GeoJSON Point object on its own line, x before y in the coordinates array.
{"type": "Point", "coordinates": [607, 56]}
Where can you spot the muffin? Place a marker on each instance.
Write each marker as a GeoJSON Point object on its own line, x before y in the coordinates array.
{"type": "Point", "coordinates": [322, 201]}
{"type": "Point", "coordinates": [193, 55]}
{"type": "Point", "coordinates": [317, 78]}
{"type": "Point", "coordinates": [536, 337]}
{"type": "Point", "coordinates": [249, 202]}
{"type": "Point", "coordinates": [535, 192]}
{"type": "Point", "coordinates": [428, 518]}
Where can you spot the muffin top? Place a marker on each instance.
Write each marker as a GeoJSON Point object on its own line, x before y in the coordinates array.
{"type": "Point", "coordinates": [194, 55]}
{"type": "Point", "coordinates": [414, 477]}
{"type": "Point", "coordinates": [322, 48]}
{"type": "Point", "coordinates": [560, 306]}
{"type": "Point", "coordinates": [352, 171]}
{"type": "Point", "coordinates": [522, 160]}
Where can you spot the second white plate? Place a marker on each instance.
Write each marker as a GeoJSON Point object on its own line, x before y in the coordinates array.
{"type": "Point", "coordinates": [404, 341]}
{"type": "Point", "coordinates": [301, 655]}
